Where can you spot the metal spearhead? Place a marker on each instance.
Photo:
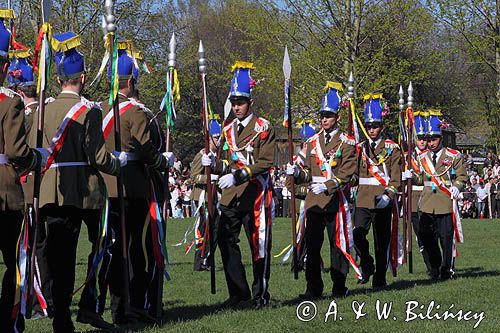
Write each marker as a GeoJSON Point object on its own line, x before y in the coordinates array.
{"type": "Point", "coordinates": [171, 54]}
{"type": "Point", "coordinates": [202, 62]}
{"type": "Point", "coordinates": [287, 67]}
{"type": "Point", "coordinates": [110, 18]}
{"type": "Point", "coordinates": [350, 87]}
{"type": "Point", "coordinates": [401, 98]}
{"type": "Point", "coordinates": [410, 95]}
{"type": "Point", "coordinates": [46, 8]}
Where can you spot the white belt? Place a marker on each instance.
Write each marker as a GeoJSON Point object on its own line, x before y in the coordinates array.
{"type": "Point", "coordinates": [3, 159]}
{"type": "Point", "coordinates": [371, 181]}
{"type": "Point", "coordinates": [214, 177]}
{"type": "Point", "coordinates": [417, 188]}
{"type": "Point", "coordinates": [430, 184]}
{"type": "Point", "coordinates": [67, 164]}
{"type": "Point", "coordinates": [318, 179]}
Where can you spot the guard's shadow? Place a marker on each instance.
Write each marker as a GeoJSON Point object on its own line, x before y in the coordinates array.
{"type": "Point", "coordinates": [469, 272]}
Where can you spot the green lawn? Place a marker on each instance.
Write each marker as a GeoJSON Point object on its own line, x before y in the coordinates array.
{"type": "Point", "coordinates": [190, 306]}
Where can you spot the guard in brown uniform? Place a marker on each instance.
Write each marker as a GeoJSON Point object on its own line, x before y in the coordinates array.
{"type": "Point", "coordinates": [22, 81]}
{"type": "Point", "coordinates": [329, 164]}
{"type": "Point", "coordinates": [15, 157]}
{"type": "Point", "coordinates": [136, 143]}
{"type": "Point", "coordinates": [246, 192]}
{"type": "Point", "coordinates": [72, 189]}
{"type": "Point", "coordinates": [444, 178]}
{"type": "Point", "coordinates": [200, 184]}
{"type": "Point", "coordinates": [415, 173]}
{"type": "Point", "coordinates": [379, 174]}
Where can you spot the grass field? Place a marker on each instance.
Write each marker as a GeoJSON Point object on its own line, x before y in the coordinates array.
{"type": "Point", "coordinates": [190, 306]}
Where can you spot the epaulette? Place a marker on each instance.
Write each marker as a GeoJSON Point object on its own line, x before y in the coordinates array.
{"type": "Point", "coordinates": [422, 153]}
{"type": "Point", "coordinates": [49, 100]}
{"type": "Point", "coordinates": [347, 139]}
{"type": "Point", "coordinates": [452, 152]}
{"type": "Point", "coordinates": [261, 125]}
{"type": "Point", "coordinates": [391, 144]}
{"type": "Point", "coordinates": [9, 92]}
{"type": "Point", "coordinates": [228, 126]}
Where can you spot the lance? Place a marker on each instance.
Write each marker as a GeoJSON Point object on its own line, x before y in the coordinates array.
{"type": "Point", "coordinates": [42, 78]}
{"type": "Point", "coordinates": [409, 116]}
{"type": "Point", "coordinates": [202, 68]}
{"type": "Point", "coordinates": [287, 70]}
{"type": "Point", "coordinates": [111, 31]}
{"type": "Point", "coordinates": [350, 94]}
{"type": "Point", "coordinates": [404, 191]}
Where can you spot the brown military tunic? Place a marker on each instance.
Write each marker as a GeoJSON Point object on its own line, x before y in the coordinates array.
{"type": "Point", "coordinates": [198, 176]}
{"type": "Point", "coordinates": [300, 189]}
{"type": "Point", "coordinates": [451, 170]}
{"type": "Point", "coordinates": [388, 157]}
{"type": "Point", "coordinates": [136, 141]}
{"type": "Point", "coordinates": [79, 186]}
{"type": "Point", "coordinates": [14, 149]}
{"type": "Point", "coordinates": [259, 137]}
{"type": "Point", "coordinates": [30, 118]}
{"type": "Point", "coordinates": [416, 188]}
{"type": "Point", "coordinates": [342, 154]}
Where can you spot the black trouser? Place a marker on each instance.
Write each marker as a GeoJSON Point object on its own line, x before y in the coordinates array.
{"type": "Point", "coordinates": [10, 228]}
{"type": "Point", "coordinates": [415, 221]}
{"type": "Point", "coordinates": [89, 299]}
{"type": "Point", "coordinates": [135, 217]}
{"type": "Point", "coordinates": [495, 207]}
{"type": "Point", "coordinates": [230, 226]}
{"type": "Point", "coordinates": [382, 220]}
{"type": "Point", "coordinates": [314, 236]}
{"type": "Point", "coordinates": [63, 229]}
{"type": "Point", "coordinates": [436, 228]}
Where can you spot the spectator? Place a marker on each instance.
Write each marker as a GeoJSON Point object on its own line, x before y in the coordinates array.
{"type": "Point", "coordinates": [178, 212]}
{"type": "Point", "coordinates": [286, 202]}
{"type": "Point", "coordinates": [469, 201]}
{"type": "Point", "coordinates": [496, 168]}
{"type": "Point", "coordinates": [495, 198]}
{"type": "Point", "coordinates": [475, 177]}
{"type": "Point", "coordinates": [186, 198]}
{"type": "Point", "coordinates": [178, 165]}
{"type": "Point", "coordinates": [474, 183]}
{"type": "Point", "coordinates": [482, 195]}
{"type": "Point", "coordinates": [488, 161]}
{"type": "Point", "coordinates": [469, 164]}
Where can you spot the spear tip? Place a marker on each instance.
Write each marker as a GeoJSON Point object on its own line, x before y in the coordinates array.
{"type": "Point", "coordinates": [171, 54]}
{"type": "Point", "coordinates": [350, 87]}
{"type": "Point", "coordinates": [401, 98]}
{"type": "Point", "coordinates": [202, 62]}
{"type": "Point", "coordinates": [201, 49]}
{"type": "Point", "coordinates": [410, 95]}
{"type": "Point", "coordinates": [287, 66]}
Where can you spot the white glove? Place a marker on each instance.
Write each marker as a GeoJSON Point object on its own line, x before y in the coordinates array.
{"type": "Point", "coordinates": [318, 188]}
{"type": "Point", "coordinates": [292, 170]}
{"type": "Point", "coordinates": [122, 157]}
{"type": "Point", "coordinates": [208, 160]}
{"type": "Point", "coordinates": [227, 181]}
{"type": "Point", "coordinates": [408, 174]}
{"type": "Point", "coordinates": [45, 155]}
{"type": "Point", "coordinates": [454, 192]}
{"type": "Point", "coordinates": [382, 201]}
{"type": "Point", "coordinates": [170, 158]}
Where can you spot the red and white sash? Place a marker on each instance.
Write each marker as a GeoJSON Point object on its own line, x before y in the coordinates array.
{"type": "Point", "coordinates": [107, 122]}
{"type": "Point", "coordinates": [457, 222]}
{"type": "Point", "coordinates": [62, 130]}
{"type": "Point", "coordinates": [396, 253]}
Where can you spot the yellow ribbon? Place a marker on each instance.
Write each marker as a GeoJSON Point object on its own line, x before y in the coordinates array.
{"type": "Point", "coordinates": [355, 117]}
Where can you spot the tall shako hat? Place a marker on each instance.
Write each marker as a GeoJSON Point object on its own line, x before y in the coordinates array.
{"type": "Point", "coordinates": [5, 33]}
{"type": "Point", "coordinates": [69, 62]}
{"type": "Point", "coordinates": [373, 108]}
{"type": "Point", "coordinates": [242, 83]}
{"type": "Point", "coordinates": [214, 126]}
{"type": "Point", "coordinates": [331, 100]}
{"type": "Point", "coordinates": [420, 118]}
{"type": "Point", "coordinates": [20, 70]}
{"type": "Point", "coordinates": [434, 123]}
{"type": "Point", "coordinates": [127, 63]}
{"type": "Point", "coordinates": [306, 130]}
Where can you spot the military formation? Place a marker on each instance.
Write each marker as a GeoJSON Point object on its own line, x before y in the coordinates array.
{"type": "Point", "coordinates": [82, 164]}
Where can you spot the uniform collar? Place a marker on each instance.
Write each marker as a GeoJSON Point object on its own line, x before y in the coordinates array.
{"type": "Point", "coordinates": [69, 92]}
{"type": "Point", "coordinates": [245, 121]}
{"type": "Point", "coordinates": [332, 133]}
{"type": "Point", "coordinates": [377, 142]}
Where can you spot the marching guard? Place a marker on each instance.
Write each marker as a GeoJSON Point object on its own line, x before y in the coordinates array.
{"type": "Point", "coordinates": [72, 188]}
{"type": "Point", "coordinates": [414, 172]}
{"type": "Point", "coordinates": [444, 178]}
{"type": "Point", "coordinates": [246, 192]}
{"type": "Point", "coordinates": [330, 162]}
{"type": "Point", "coordinates": [379, 179]}
{"type": "Point", "coordinates": [15, 155]}
{"type": "Point", "coordinates": [138, 189]}
{"type": "Point", "coordinates": [202, 246]}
